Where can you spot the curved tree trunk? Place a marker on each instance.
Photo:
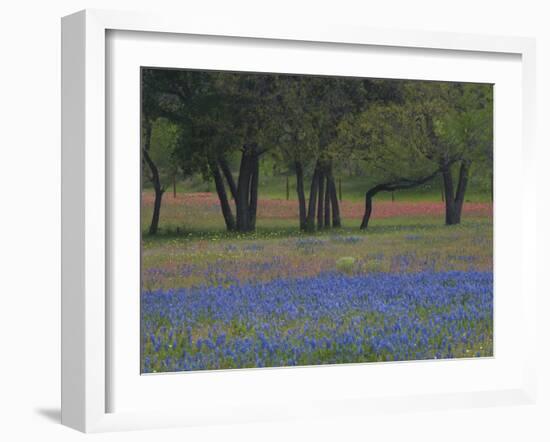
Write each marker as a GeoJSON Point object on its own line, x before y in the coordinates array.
{"type": "Point", "coordinates": [404, 183]}
{"type": "Point", "coordinates": [155, 179]}
{"type": "Point", "coordinates": [368, 209]}
{"type": "Point", "coordinates": [229, 177]}
{"type": "Point", "coordinates": [153, 228]}
{"type": "Point", "coordinates": [222, 196]}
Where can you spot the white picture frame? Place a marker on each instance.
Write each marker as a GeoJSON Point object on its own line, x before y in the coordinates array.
{"type": "Point", "coordinates": [86, 315]}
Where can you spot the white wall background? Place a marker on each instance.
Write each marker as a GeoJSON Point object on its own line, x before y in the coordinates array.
{"type": "Point", "coordinates": [30, 214]}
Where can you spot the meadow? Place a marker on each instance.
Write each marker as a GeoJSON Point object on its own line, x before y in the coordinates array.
{"type": "Point", "coordinates": [408, 288]}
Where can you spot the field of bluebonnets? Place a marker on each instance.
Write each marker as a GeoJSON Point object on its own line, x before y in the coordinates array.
{"type": "Point", "coordinates": [410, 288]}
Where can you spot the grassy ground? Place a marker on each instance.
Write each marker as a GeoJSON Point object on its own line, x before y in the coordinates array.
{"type": "Point", "coordinates": [353, 189]}
{"type": "Point", "coordinates": [408, 288]}
{"type": "Point", "coordinates": [280, 250]}
{"type": "Point", "coordinates": [199, 213]}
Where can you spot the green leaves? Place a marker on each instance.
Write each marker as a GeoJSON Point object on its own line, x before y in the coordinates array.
{"type": "Point", "coordinates": [429, 124]}
{"type": "Point", "coordinates": [382, 129]}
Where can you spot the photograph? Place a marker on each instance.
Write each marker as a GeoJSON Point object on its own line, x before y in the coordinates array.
{"type": "Point", "coordinates": [242, 222]}
{"type": "Point", "coordinates": [303, 220]}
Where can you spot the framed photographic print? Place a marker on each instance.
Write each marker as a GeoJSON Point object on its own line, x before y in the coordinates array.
{"type": "Point", "coordinates": [291, 222]}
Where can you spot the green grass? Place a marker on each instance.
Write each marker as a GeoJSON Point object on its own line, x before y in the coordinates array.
{"type": "Point", "coordinates": [390, 245]}
{"type": "Point", "coordinates": [353, 189]}
{"type": "Point", "coordinates": [192, 239]}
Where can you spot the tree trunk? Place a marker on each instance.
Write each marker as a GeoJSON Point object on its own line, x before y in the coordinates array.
{"type": "Point", "coordinates": [454, 200]}
{"type": "Point", "coordinates": [156, 212]}
{"type": "Point", "coordinates": [246, 198]}
{"type": "Point", "coordinates": [327, 203]}
{"type": "Point", "coordinates": [310, 220]}
{"type": "Point", "coordinates": [301, 194]}
{"type": "Point", "coordinates": [229, 178]}
{"type": "Point", "coordinates": [155, 179]}
{"type": "Point", "coordinates": [243, 191]}
{"type": "Point", "coordinates": [450, 215]}
{"type": "Point", "coordinates": [334, 202]}
{"type": "Point", "coordinates": [321, 201]}
{"type": "Point", "coordinates": [399, 184]}
{"type": "Point", "coordinates": [463, 176]}
{"type": "Point", "coordinates": [368, 209]}
{"type": "Point", "coordinates": [253, 203]}
{"type": "Point", "coordinates": [222, 196]}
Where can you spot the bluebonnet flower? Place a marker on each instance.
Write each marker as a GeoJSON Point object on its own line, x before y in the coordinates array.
{"type": "Point", "coordinates": [330, 318]}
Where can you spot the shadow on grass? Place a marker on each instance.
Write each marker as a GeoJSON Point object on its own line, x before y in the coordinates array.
{"type": "Point", "coordinates": [378, 227]}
